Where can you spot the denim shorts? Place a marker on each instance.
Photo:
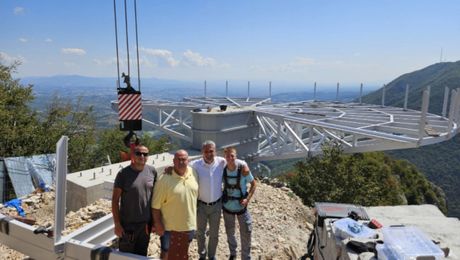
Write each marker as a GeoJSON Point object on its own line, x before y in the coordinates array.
{"type": "Point", "coordinates": [166, 238]}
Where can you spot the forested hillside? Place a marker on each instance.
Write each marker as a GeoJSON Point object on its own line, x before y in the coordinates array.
{"type": "Point", "coordinates": [437, 76]}
{"type": "Point", "coordinates": [440, 162]}
{"type": "Point", "coordinates": [368, 179]}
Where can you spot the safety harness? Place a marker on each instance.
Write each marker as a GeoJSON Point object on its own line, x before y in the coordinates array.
{"type": "Point", "coordinates": [237, 186]}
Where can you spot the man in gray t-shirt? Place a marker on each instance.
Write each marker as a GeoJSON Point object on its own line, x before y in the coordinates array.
{"type": "Point", "coordinates": [131, 200]}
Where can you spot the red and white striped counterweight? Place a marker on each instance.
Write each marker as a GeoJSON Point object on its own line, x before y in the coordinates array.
{"type": "Point", "coordinates": [130, 110]}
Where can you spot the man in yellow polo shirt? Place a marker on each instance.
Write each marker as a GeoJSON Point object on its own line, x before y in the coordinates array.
{"type": "Point", "coordinates": [174, 208]}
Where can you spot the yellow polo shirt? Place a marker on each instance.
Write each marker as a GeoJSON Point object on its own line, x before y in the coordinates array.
{"type": "Point", "coordinates": [176, 197]}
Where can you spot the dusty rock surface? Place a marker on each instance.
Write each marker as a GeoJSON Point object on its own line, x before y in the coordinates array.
{"type": "Point", "coordinates": [281, 223]}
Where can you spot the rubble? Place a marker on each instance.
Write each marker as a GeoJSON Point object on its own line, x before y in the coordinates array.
{"type": "Point", "coordinates": [281, 223]}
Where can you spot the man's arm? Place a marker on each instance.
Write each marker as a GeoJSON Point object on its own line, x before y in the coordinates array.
{"type": "Point", "coordinates": [116, 194]}
{"type": "Point", "coordinates": [245, 171]}
{"type": "Point", "coordinates": [157, 201]}
{"type": "Point", "coordinates": [159, 227]}
{"type": "Point", "coordinates": [252, 189]}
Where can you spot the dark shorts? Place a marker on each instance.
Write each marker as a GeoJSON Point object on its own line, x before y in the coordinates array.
{"type": "Point", "coordinates": [135, 240]}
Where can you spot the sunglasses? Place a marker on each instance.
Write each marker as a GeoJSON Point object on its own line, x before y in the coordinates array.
{"type": "Point", "coordinates": [141, 153]}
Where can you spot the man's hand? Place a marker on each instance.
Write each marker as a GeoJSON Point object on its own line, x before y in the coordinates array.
{"type": "Point", "coordinates": [159, 229]}
{"type": "Point", "coordinates": [118, 230]}
{"type": "Point", "coordinates": [244, 202]}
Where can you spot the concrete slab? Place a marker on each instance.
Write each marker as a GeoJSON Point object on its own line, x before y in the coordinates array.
{"type": "Point", "coordinates": [85, 187]}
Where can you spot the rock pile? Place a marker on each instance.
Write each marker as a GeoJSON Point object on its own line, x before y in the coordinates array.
{"type": "Point", "coordinates": [281, 223]}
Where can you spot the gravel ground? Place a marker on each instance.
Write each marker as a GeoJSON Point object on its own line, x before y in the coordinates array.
{"type": "Point", "coordinates": [280, 230]}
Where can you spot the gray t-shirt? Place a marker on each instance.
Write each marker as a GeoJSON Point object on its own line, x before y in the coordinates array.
{"type": "Point", "coordinates": [136, 196]}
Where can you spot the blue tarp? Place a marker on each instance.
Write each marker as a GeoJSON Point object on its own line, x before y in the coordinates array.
{"type": "Point", "coordinates": [28, 173]}
{"type": "Point", "coordinates": [16, 203]}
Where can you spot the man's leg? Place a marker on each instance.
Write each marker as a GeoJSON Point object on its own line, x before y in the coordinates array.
{"type": "Point", "coordinates": [201, 220]}
{"type": "Point", "coordinates": [214, 222]}
{"type": "Point", "coordinates": [245, 222]}
{"type": "Point", "coordinates": [165, 240]}
{"type": "Point", "coordinates": [141, 239]}
{"type": "Point", "coordinates": [126, 242]}
{"type": "Point", "coordinates": [229, 220]}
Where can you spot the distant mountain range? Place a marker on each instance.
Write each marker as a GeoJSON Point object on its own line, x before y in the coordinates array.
{"type": "Point", "coordinates": [440, 162]}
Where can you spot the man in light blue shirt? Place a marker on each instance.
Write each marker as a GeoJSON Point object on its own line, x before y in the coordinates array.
{"type": "Point", "coordinates": [235, 201]}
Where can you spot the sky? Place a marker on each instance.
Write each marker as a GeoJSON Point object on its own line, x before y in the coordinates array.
{"type": "Point", "coordinates": [289, 41]}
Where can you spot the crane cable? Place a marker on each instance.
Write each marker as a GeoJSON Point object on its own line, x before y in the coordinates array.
{"type": "Point", "coordinates": [127, 42]}
{"type": "Point", "coordinates": [128, 140]}
{"type": "Point", "coordinates": [116, 43]}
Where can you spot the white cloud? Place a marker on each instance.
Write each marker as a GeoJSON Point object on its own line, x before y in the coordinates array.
{"type": "Point", "coordinates": [73, 51]}
{"type": "Point", "coordinates": [189, 58]}
{"type": "Point", "coordinates": [23, 40]}
{"type": "Point", "coordinates": [195, 58]}
{"type": "Point", "coordinates": [301, 62]}
{"type": "Point", "coordinates": [10, 59]}
{"type": "Point", "coordinates": [105, 62]}
{"type": "Point", "coordinates": [70, 64]}
{"type": "Point", "coordinates": [163, 55]}
{"type": "Point", "coordinates": [18, 10]}
{"type": "Point", "coordinates": [48, 40]}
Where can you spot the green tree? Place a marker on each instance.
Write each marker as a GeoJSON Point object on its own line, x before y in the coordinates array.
{"type": "Point", "coordinates": [368, 179]}
{"type": "Point", "coordinates": [78, 123]}
{"type": "Point", "coordinates": [159, 145]}
{"type": "Point", "coordinates": [110, 143]}
{"type": "Point", "coordinates": [19, 124]}
{"type": "Point", "coordinates": [25, 132]}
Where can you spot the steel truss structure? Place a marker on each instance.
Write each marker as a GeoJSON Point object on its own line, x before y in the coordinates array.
{"type": "Point", "coordinates": [301, 129]}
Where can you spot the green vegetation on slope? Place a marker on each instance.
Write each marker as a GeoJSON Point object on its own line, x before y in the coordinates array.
{"type": "Point", "coordinates": [440, 162]}
{"type": "Point", "coordinates": [369, 179]}
{"type": "Point", "coordinates": [437, 76]}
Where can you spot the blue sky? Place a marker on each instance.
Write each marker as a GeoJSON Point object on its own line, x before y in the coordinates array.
{"type": "Point", "coordinates": [298, 41]}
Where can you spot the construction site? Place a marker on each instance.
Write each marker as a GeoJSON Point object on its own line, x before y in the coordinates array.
{"type": "Point", "coordinates": [50, 213]}
{"type": "Point", "coordinates": [261, 131]}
